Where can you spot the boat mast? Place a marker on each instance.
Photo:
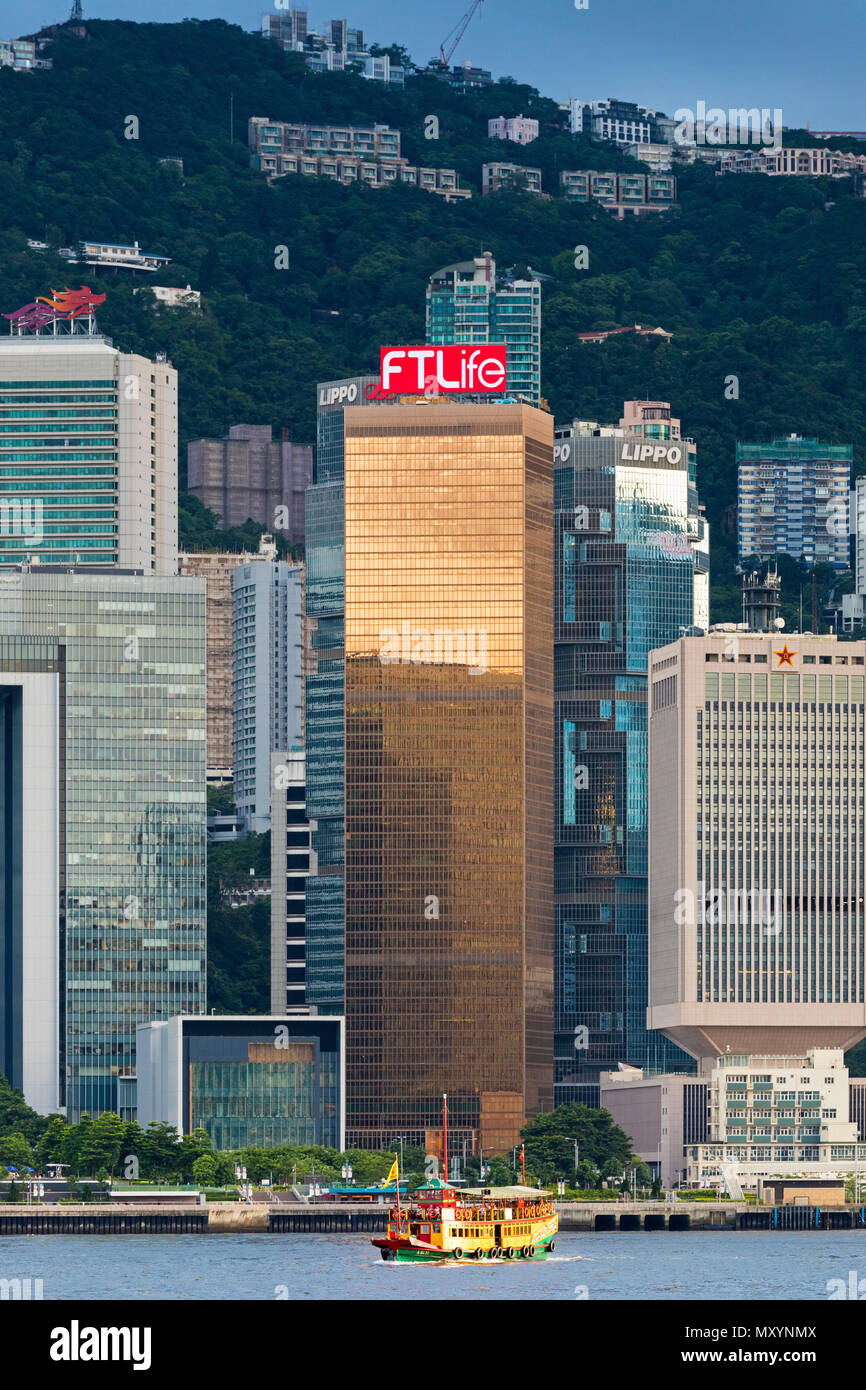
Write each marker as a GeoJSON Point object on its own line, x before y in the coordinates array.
{"type": "Point", "coordinates": [445, 1133]}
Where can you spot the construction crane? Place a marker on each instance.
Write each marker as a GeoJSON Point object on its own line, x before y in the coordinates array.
{"type": "Point", "coordinates": [455, 35]}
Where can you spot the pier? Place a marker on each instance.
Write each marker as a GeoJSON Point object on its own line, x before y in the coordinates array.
{"type": "Point", "coordinates": [321, 1218]}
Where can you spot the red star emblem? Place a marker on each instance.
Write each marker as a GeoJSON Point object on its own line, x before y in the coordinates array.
{"type": "Point", "coordinates": [786, 657]}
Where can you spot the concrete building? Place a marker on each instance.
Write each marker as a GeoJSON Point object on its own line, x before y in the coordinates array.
{"type": "Point", "coordinates": [854, 605]}
{"type": "Point", "coordinates": [498, 175]}
{"type": "Point", "coordinates": [216, 568]}
{"type": "Point", "coordinates": [661, 1114]}
{"type": "Point", "coordinates": [448, 768]}
{"type": "Point", "coordinates": [102, 705]}
{"type": "Point", "coordinates": [810, 162]}
{"type": "Point", "coordinates": [623, 122]}
{"type": "Point", "coordinates": [792, 499]}
{"type": "Point", "coordinates": [621, 194]}
{"type": "Point", "coordinates": [267, 678]}
{"type": "Point", "coordinates": [632, 570]}
{"type": "Point", "coordinates": [88, 452]}
{"type": "Point", "coordinates": [292, 862]}
{"type": "Point", "coordinates": [346, 154]}
{"type": "Point", "coordinates": [756, 867]}
{"type": "Point", "coordinates": [521, 129]}
{"type": "Point", "coordinates": [175, 296]}
{"type": "Point", "coordinates": [466, 303]}
{"type": "Point", "coordinates": [659, 157]}
{"type": "Point", "coordinates": [253, 1081]}
{"type": "Point", "coordinates": [247, 477]}
{"type": "Point", "coordinates": [337, 49]}
{"type": "Point", "coordinates": [109, 255]}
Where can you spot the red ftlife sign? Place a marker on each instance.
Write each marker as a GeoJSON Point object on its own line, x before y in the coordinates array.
{"type": "Point", "coordinates": [435, 370]}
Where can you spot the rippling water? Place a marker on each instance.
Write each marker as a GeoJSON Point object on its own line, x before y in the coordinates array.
{"type": "Point", "coordinates": [700, 1264]}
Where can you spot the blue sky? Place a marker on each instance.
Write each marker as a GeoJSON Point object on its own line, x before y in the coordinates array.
{"type": "Point", "coordinates": [806, 59]}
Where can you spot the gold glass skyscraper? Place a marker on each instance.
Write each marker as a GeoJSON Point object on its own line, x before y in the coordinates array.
{"type": "Point", "coordinates": [448, 770]}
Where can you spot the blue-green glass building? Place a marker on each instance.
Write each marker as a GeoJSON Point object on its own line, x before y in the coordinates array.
{"type": "Point", "coordinates": [631, 574]}
{"type": "Point", "coordinates": [325, 559]}
{"type": "Point", "coordinates": [88, 453]}
{"type": "Point", "coordinates": [102, 825]}
{"type": "Point", "coordinates": [466, 304]}
{"type": "Point", "coordinates": [258, 1081]}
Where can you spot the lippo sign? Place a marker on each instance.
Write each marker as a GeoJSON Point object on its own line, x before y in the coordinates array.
{"type": "Point", "coordinates": [438, 370]}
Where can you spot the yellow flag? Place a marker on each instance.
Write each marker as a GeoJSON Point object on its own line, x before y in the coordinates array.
{"type": "Point", "coordinates": [393, 1172]}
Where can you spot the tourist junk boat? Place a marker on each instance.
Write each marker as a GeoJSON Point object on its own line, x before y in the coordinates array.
{"type": "Point", "coordinates": [459, 1224]}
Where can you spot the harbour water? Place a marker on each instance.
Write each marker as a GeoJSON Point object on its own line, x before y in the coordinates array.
{"type": "Point", "coordinates": [599, 1266]}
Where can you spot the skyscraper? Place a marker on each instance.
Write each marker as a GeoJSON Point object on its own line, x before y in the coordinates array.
{"type": "Point", "coordinates": [757, 752]}
{"type": "Point", "coordinates": [792, 499]}
{"type": "Point", "coordinates": [88, 453]}
{"type": "Point", "coordinates": [631, 567]}
{"type": "Point", "coordinates": [267, 678]}
{"type": "Point", "coordinates": [325, 557]}
{"type": "Point", "coordinates": [448, 770]}
{"type": "Point", "coordinates": [102, 826]}
{"type": "Point", "coordinates": [466, 305]}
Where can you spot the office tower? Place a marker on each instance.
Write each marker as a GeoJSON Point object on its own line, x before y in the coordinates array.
{"type": "Point", "coordinates": [246, 1081]}
{"type": "Point", "coordinates": [853, 605]}
{"type": "Point", "coordinates": [267, 679]}
{"type": "Point", "coordinates": [325, 556]}
{"type": "Point", "coordinates": [216, 568]}
{"type": "Point", "coordinates": [247, 477]}
{"type": "Point", "coordinates": [465, 304]}
{"type": "Point", "coordinates": [756, 766]}
{"type": "Point", "coordinates": [792, 499]}
{"type": "Point", "coordinates": [88, 452]}
{"type": "Point", "coordinates": [291, 863]}
{"type": "Point", "coordinates": [102, 704]}
{"type": "Point", "coordinates": [631, 570]}
{"type": "Point", "coordinates": [448, 770]}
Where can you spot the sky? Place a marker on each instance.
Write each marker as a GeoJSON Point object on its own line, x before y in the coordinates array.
{"type": "Point", "coordinates": [666, 54]}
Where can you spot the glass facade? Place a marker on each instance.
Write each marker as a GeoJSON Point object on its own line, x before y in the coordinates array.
{"type": "Point", "coordinates": [324, 693]}
{"type": "Point", "coordinates": [131, 912]}
{"type": "Point", "coordinates": [88, 454]}
{"type": "Point", "coordinates": [464, 305]}
{"type": "Point", "coordinates": [58, 446]}
{"type": "Point", "coordinates": [275, 1095]}
{"type": "Point", "coordinates": [448, 770]}
{"type": "Point", "coordinates": [625, 583]}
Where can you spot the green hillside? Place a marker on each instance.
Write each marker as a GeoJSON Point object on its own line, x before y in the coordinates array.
{"type": "Point", "coordinates": [756, 277]}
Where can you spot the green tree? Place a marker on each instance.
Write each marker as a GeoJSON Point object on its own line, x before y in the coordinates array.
{"type": "Point", "coordinates": [204, 1170]}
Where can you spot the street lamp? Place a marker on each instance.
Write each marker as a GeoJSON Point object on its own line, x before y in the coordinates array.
{"type": "Point", "coordinates": [574, 1142]}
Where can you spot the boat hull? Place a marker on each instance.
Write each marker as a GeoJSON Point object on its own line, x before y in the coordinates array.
{"type": "Point", "coordinates": [402, 1253]}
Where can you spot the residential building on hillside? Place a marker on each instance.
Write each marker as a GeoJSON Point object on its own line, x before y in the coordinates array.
{"type": "Point", "coordinates": [499, 175]}
{"type": "Point", "coordinates": [346, 154]}
{"type": "Point", "coordinates": [624, 122]}
{"type": "Point", "coordinates": [467, 304]}
{"type": "Point", "coordinates": [792, 499]}
{"type": "Point", "coordinates": [521, 129]}
{"type": "Point", "coordinates": [620, 193]}
{"type": "Point", "coordinates": [248, 477]}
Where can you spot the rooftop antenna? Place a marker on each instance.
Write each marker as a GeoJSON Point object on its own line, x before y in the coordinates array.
{"type": "Point", "coordinates": [76, 14]}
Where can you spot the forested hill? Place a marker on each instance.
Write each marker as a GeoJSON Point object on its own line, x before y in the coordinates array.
{"type": "Point", "coordinates": [756, 278]}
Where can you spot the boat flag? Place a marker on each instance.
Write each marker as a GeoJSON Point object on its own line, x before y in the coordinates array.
{"type": "Point", "coordinates": [393, 1172]}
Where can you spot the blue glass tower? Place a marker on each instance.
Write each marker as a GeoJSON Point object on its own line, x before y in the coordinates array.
{"type": "Point", "coordinates": [325, 557]}
{"type": "Point", "coordinates": [631, 574]}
